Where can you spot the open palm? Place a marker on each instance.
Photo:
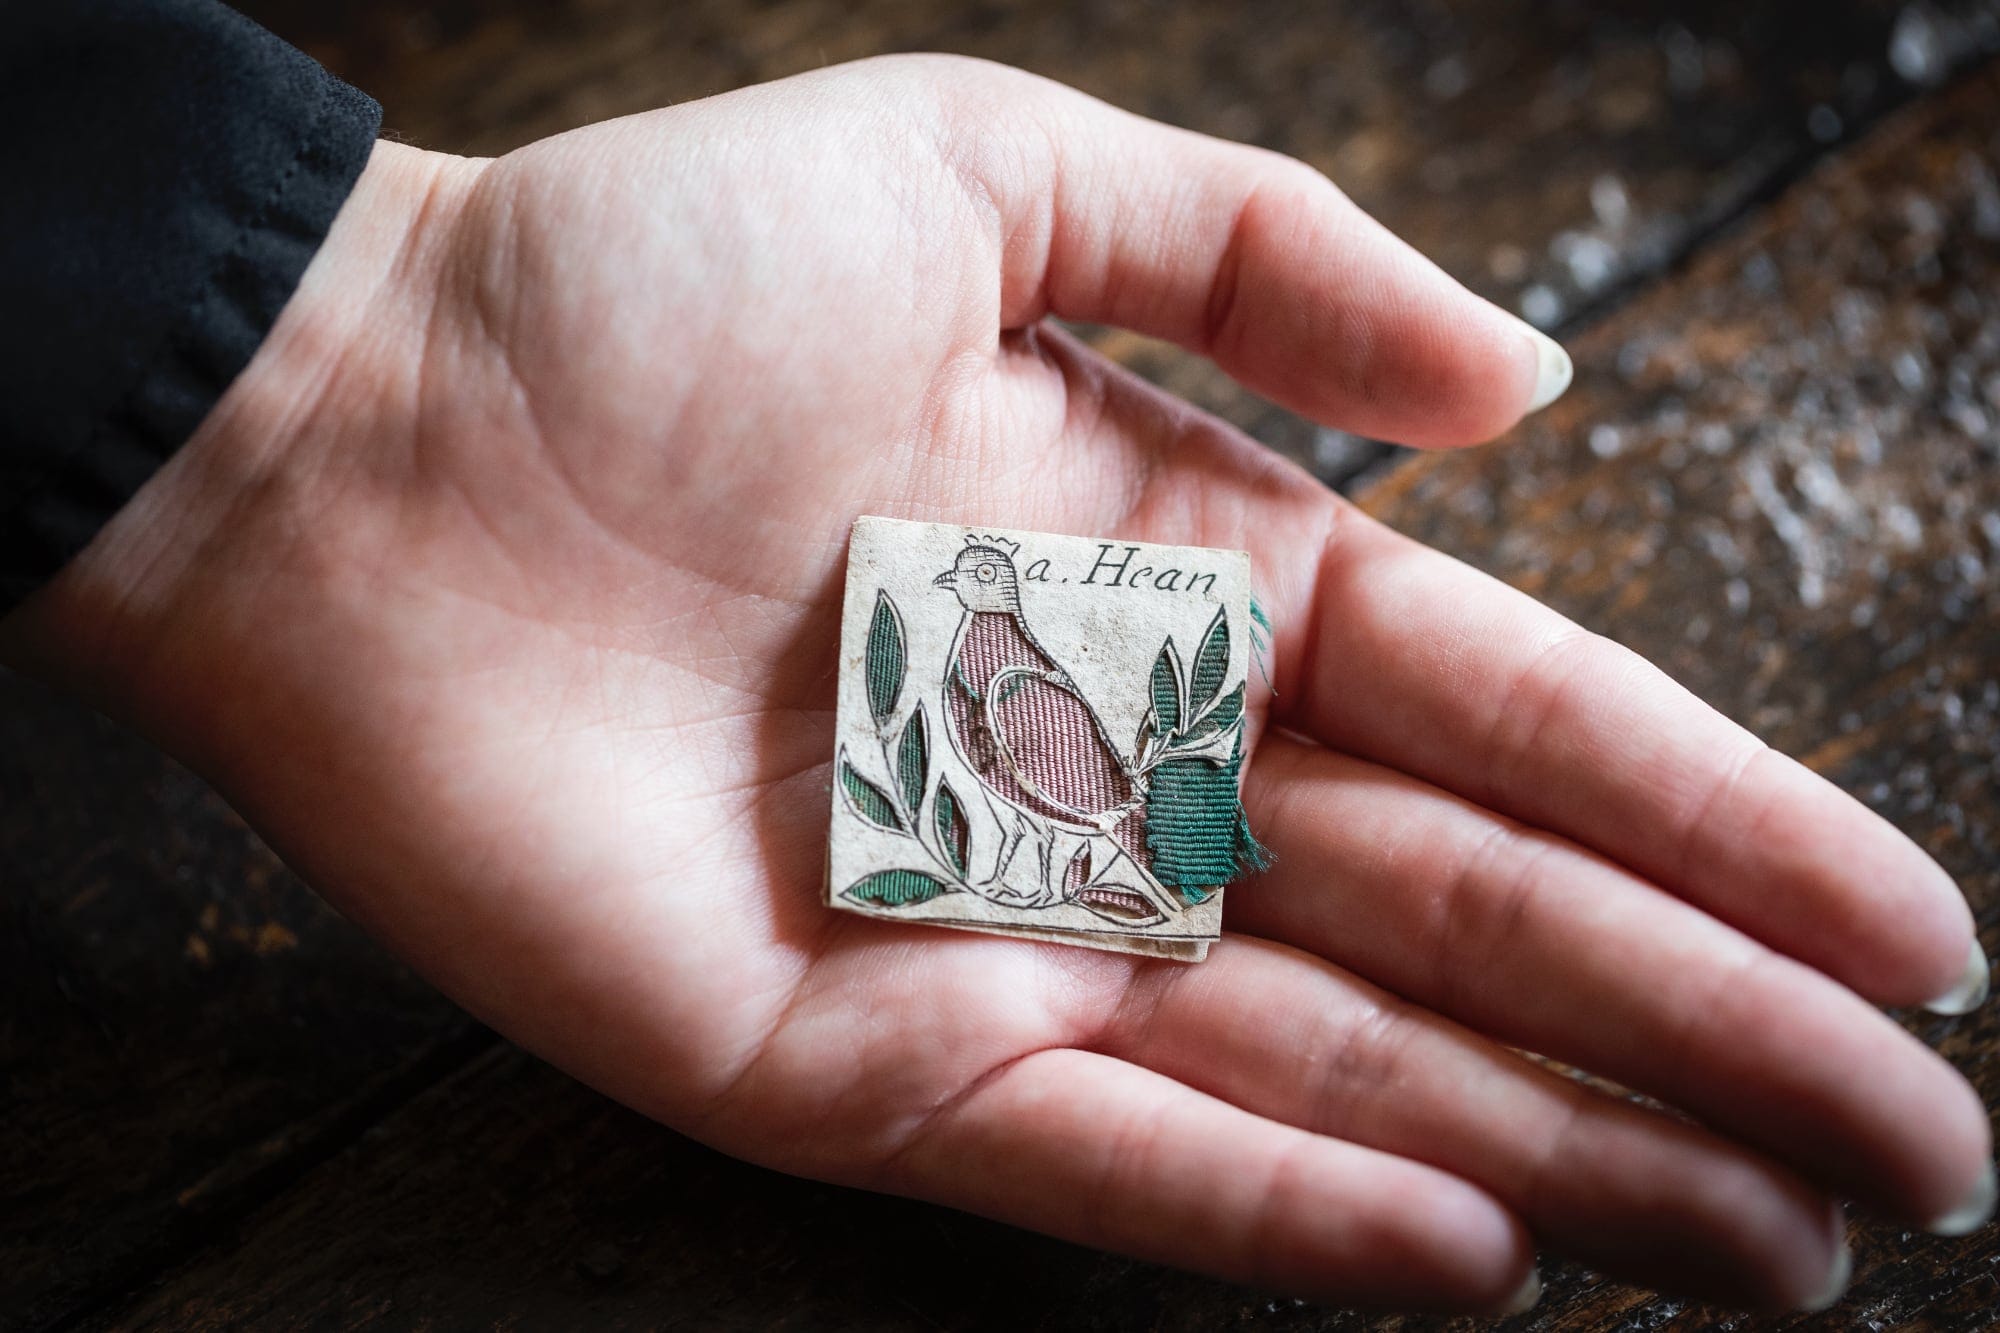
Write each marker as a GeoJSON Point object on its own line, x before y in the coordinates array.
{"type": "Point", "coordinates": [502, 594]}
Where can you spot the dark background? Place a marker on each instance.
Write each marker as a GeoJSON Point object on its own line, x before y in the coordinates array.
{"type": "Point", "coordinates": [1770, 234]}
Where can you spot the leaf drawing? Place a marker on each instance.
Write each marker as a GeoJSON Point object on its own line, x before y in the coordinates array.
{"type": "Point", "coordinates": [867, 799]}
{"type": "Point", "coordinates": [1211, 664]}
{"type": "Point", "coordinates": [1220, 717]}
{"type": "Point", "coordinates": [897, 806]}
{"type": "Point", "coordinates": [952, 829]}
{"type": "Point", "coordinates": [913, 762]}
{"type": "Point", "coordinates": [1167, 692]}
{"type": "Point", "coordinates": [897, 888]}
{"type": "Point", "coordinates": [1115, 902]}
{"type": "Point", "coordinates": [885, 658]}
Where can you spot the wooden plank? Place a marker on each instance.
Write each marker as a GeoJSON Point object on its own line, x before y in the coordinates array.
{"type": "Point", "coordinates": [1548, 154]}
{"type": "Point", "coordinates": [186, 1028]}
{"type": "Point", "coordinates": [1837, 362]}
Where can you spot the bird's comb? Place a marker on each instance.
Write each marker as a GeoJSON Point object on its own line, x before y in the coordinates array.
{"type": "Point", "coordinates": [1000, 544]}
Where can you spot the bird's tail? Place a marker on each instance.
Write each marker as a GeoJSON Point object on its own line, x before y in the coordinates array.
{"type": "Point", "coordinates": [1196, 835]}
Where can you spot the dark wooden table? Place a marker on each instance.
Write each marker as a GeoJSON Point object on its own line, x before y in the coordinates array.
{"type": "Point", "coordinates": [1772, 238]}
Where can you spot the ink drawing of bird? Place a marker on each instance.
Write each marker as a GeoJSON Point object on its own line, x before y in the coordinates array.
{"type": "Point", "coordinates": [1024, 728]}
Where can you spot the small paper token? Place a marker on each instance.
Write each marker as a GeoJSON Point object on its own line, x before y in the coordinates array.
{"type": "Point", "coordinates": [1042, 735]}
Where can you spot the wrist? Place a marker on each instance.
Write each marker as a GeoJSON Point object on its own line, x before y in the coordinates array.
{"type": "Point", "coordinates": [140, 623]}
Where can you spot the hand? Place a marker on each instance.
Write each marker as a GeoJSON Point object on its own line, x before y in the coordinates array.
{"type": "Point", "coordinates": [501, 594]}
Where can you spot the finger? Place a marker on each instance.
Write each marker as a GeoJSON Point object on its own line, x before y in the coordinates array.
{"type": "Point", "coordinates": [1409, 658]}
{"type": "Point", "coordinates": [1525, 937]}
{"type": "Point", "coordinates": [1107, 1154]}
{"type": "Point", "coordinates": [1622, 1188]}
{"type": "Point", "coordinates": [1244, 255]}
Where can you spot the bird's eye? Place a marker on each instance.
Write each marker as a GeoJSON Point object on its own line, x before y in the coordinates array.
{"type": "Point", "coordinates": [986, 573]}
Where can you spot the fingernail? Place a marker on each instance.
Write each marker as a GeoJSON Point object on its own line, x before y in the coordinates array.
{"type": "Point", "coordinates": [1837, 1279]}
{"type": "Point", "coordinates": [1971, 1215]}
{"type": "Point", "coordinates": [1526, 1296]}
{"type": "Point", "coordinates": [1969, 991]}
{"type": "Point", "coordinates": [1552, 369]}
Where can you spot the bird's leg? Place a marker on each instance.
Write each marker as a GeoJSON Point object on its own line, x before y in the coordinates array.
{"type": "Point", "coordinates": [1134, 900]}
{"type": "Point", "coordinates": [1010, 843]}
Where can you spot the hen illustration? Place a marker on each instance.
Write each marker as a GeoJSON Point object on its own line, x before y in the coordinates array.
{"type": "Point", "coordinates": [1023, 727]}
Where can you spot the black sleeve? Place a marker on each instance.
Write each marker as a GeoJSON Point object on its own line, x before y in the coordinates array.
{"type": "Point", "coordinates": [168, 171]}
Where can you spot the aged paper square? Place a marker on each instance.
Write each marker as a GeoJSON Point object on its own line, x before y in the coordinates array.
{"type": "Point", "coordinates": [1041, 735]}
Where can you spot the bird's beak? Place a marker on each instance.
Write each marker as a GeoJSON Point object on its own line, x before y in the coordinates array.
{"type": "Point", "coordinates": [948, 579]}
